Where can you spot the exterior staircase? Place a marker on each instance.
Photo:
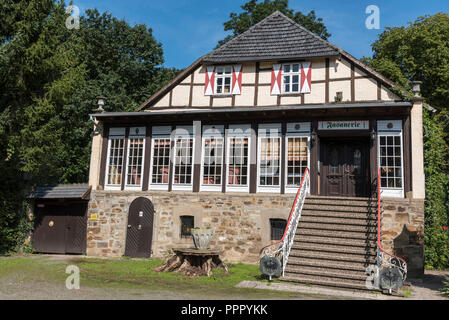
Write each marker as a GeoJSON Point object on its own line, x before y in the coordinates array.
{"type": "Point", "coordinates": [334, 243]}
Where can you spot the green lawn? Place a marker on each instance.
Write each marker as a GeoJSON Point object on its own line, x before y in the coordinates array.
{"type": "Point", "coordinates": [138, 274]}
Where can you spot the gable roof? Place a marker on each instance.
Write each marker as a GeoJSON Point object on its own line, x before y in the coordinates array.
{"type": "Point", "coordinates": [275, 37]}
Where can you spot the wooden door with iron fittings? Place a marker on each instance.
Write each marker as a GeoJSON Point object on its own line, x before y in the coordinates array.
{"type": "Point", "coordinates": [345, 168]}
{"type": "Point", "coordinates": [140, 228]}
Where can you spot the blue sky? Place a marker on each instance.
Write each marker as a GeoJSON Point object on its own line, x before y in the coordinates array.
{"type": "Point", "coordinates": [188, 29]}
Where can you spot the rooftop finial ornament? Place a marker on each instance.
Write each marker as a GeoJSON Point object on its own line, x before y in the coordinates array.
{"type": "Point", "coordinates": [416, 88]}
{"type": "Point", "coordinates": [100, 104]}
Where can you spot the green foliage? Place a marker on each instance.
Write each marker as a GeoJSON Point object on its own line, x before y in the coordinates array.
{"type": "Point", "coordinates": [255, 11]}
{"type": "Point", "coordinates": [445, 289]}
{"type": "Point", "coordinates": [420, 51]}
{"type": "Point", "coordinates": [50, 77]}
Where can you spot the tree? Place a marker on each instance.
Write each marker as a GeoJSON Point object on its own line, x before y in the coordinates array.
{"type": "Point", "coordinates": [420, 51]}
{"type": "Point", "coordinates": [255, 11]}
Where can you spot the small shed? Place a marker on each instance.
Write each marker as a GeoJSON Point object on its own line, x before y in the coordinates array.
{"type": "Point", "coordinates": [60, 218]}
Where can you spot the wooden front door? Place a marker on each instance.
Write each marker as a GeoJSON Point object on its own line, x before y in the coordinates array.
{"type": "Point", "coordinates": [345, 168]}
{"type": "Point", "coordinates": [140, 228]}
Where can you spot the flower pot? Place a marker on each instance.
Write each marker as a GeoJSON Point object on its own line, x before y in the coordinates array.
{"type": "Point", "coordinates": [202, 237]}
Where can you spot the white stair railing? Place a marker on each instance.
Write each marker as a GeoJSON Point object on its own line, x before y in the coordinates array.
{"type": "Point", "coordinates": [281, 249]}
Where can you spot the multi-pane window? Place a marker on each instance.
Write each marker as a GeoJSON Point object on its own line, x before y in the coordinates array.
{"type": "Point", "coordinates": [187, 224]}
{"type": "Point", "coordinates": [269, 157]}
{"type": "Point", "coordinates": [390, 161]}
{"type": "Point", "coordinates": [212, 162]}
{"type": "Point", "coordinates": [116, 150]}
{"type": "Point", "coordinates": [297, 154]}
{"type": "Point", "coordinates": [160, 159]}
{"type": "Point", "coordinates": [238, 157]}
{"type": "Point", "coordinates": [291, 74]}
{"type": "Point", "coordinates": [390, 157]}
{"type": "Point", "coordinates": [136, 147]}
{"type": "Point", "coordinates": [297, 159]}
{"type": "Point", "coordinates": [277, 228]}
{"type": "Point", "coordinates": [223, 78]}
{"type": "Point", "coordinates": [183, 159]}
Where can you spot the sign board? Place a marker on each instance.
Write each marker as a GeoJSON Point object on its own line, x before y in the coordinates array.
{"type": "Point", "coordinates": [344, 125]}
{"type": "Point", "coordinates": [94, 216]}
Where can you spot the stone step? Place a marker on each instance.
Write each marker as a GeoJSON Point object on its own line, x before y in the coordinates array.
{"type": "Point", "coordinates": [334, 248]}
{"type": "Point", "coordinates": [337, 220]}
{"type": "Point", "coordinates": [339, 208]}
{"type": "Point", "coordinates": [342, 234]}
{"type": "Point", "coordinates": [327, 273]}
{"type": "Point", "coordinates": [332, 256]}
{"type": "Point", "coordinates": [342, 201]}
{"type": "Point", "coordinates": [337, 227]}
{"type": "Point", "coordinates": [328, 264]}
{"type": "Point", "coordinates": [339, 214]}
{"type": "Point", "coordinates": [303, 238]}
{"type": "Point", "coordinates": [319, 281]}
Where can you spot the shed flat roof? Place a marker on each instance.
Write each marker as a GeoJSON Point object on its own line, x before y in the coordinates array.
{"type": "Point", "coordinates": [61, 191]}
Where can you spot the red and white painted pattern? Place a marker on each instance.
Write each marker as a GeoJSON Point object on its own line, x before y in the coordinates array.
{"type": "Point", "coordinates": [236, 79]}
{"type": "Point", "coordinates": [306, 77]}
{"type": "Point", "coordinates": [276, 79]}
{"type": "Point", "coordinates": [210, 81]}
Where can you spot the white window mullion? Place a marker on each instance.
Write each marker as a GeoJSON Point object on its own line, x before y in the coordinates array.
{"type": "Point", "coordinates": [115, 161]}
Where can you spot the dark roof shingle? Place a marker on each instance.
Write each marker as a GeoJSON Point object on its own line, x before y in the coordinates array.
{"type": "Point", "coordinates": [275, 37]}
{"type": "Point", "coordinates": [61, 191]}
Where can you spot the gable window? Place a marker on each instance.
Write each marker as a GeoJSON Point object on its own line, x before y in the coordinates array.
{"type": "Point", "coordinates": [277, 228]}
{"type": "Point", "coordinates": [237, 169]}
{"type": "Point", "coordinates": [291, 74]}
{"type": "Point", "coordinates": [134, 166]}
{"type": "Point", "coordinates": [212, 158]}
{"type": "Point", "coordinates": [269, 140]}
{"type": "Point", "coordinates": [297, 154]}
{"type": "Point", "coordinates": [187, 224]}
{"type": "Point", "coordinates": [183, 159]}
{"type": "Point", "coordinates": [223, 79]}
{"type": "Point", "coordinates": [160, 157]}
{"type": "Point", "coordinates": [116, 148]}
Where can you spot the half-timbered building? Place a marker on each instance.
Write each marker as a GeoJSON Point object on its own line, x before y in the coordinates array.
{"type": "Point", "coordinates": [227, 142]}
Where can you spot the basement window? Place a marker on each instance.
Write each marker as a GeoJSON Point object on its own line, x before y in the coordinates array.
{"type": "Point", "coordinates": [187, 223]}
{"type": "Point", "coordinates": [277, 228]}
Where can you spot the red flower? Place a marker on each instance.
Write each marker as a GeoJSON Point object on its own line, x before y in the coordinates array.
{"type": "Point", "coordinates": [444, 228]}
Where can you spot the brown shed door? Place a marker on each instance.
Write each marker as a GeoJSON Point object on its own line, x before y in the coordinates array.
{"type": "Point", "coordinates": [60, 228]}
{"type": "Point", "coordinates": [140, 228]}
{"type": "Point", "coordinates": [345, 168]}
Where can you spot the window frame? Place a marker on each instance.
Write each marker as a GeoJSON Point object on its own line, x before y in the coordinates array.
{"type": "Point", "coordinates": [207, 133]}
{"type": "Point", "coordinates": [262, 133]}
{"type": "Point", "coordinates": [290, 74]}
{"type": "Point", "coordinates": [159, 132]}
{"type": "Point", "coordinates": [272, 220]}
{"type": "Point", "coordinates": [115, 134]}
{"type": "Point", "coordinates": [180, 133]}
{"type": "Point", "coordinates": [292, 132]}
{"type": "Point", "coordinates": [395, 131]}
{"type": "Point", "coordinates": [231, 133]}
{"type": "Point", "coordinates": [181, 235]}
{"type": "Point", "coordinates": [142, 136]}
{"type": "Point", "coordinates": [223, 76]}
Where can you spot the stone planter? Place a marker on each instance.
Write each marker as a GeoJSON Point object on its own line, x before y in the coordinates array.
{"type": "Point", "coordinates": [202, 237]}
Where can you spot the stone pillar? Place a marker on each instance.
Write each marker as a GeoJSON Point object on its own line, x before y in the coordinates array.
{"type": "Point", "coordinates": [417, 152]}
{"type": "Point", "coordinates": [95, 156]}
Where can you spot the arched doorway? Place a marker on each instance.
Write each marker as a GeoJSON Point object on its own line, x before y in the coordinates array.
{"type": "Point", "coordinates": [140, 228]}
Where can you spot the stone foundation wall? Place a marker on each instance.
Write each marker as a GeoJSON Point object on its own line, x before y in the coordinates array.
{"type": "Point", "coordinates": [241, 223]}
{"type": "Point", "coordinates": [403, 232]}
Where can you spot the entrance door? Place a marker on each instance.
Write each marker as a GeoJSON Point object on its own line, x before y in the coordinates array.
{"type": "Point", "coordinates": [140, 228]}
{"type": "Point", "coordinates": [345, 168]}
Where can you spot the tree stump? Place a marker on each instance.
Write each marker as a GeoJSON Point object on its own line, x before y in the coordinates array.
{"type": "Point", "coordinates": [193, 262]}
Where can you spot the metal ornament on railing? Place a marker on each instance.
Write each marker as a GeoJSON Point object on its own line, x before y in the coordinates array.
{"type": "Point", "coordinates": [392, 269]}
{"type": "Point", "coordinates": [281, 249]}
